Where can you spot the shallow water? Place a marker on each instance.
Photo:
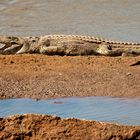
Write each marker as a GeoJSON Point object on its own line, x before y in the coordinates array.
{"type": "Point", "coordinates": [116, 110]}
{"type": "Point", "coordinates": [112, 19]}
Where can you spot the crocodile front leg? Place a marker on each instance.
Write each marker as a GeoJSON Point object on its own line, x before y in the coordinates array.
{"type": "Point", "coordinates": [52, 50]}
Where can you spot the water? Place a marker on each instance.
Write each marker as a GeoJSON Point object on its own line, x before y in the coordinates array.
{"type": "Point", "coordinates": [116, 110]}
{"type": "Point", "coordinates": [112, 19]}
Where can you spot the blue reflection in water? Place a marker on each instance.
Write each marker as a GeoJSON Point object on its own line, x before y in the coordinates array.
{"type": "Point", "coordinates": [118, 110]}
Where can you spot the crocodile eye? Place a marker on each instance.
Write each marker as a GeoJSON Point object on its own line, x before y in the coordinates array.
{"type": "Point", "coordinates": [33, 40]}
{"type": "Point", "coordinates": [9, 37]}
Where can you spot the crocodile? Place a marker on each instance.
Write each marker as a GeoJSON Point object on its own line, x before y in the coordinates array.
{"type": "Point", "coordinates": [67, 45]}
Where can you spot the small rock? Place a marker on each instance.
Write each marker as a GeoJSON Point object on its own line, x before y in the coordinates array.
{"type": "Point", "coordinates": [37, 99]}
{"type": "Point", "coordinates": [128, 74]}
{"type": "Point", "coordinates": [60, 74]}
{"type": "Point", "coordinates": [11, 62]}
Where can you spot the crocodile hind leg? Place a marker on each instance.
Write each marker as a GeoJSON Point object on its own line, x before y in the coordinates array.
{"type": "Point", "coordinates": [131, 53]}
{"type": "Point", "coordinates": [105, 49]}
{"type": "Point", "coordinates": [121, 52]}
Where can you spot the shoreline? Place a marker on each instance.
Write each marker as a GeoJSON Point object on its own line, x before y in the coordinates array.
{"type": "Point", "coordinates": [63, 97]}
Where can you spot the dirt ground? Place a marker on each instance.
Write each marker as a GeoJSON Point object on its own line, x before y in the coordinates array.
{"type": "Point", "coordinates": [44, 127]}
{"type": "Point", "coordinates": [41, 76]}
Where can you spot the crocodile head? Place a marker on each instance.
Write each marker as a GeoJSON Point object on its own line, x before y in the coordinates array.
{"type": "Point", "coordinates": [10, 44]}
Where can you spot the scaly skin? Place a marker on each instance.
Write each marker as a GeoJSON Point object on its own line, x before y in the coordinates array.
{"type": "Point", "coordinates": [67, 45]}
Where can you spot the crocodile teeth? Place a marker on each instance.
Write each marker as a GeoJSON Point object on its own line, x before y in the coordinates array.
{"type": "Point", "coordinates": [12, 49]}
{"type": "Point", "coordinates": [2, 46]}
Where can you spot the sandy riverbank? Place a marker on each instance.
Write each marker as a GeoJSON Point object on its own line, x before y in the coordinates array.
{"type": "Point", "coordinates": [48, 127]}
{"type": "Point", "coordinates": [40, 76]}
